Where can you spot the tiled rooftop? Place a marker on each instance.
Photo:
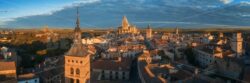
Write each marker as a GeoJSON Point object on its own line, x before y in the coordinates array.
{"type": "Point", "coordinates": [7, 66]}
{"type": "Point", "coordinates": [123, 65]}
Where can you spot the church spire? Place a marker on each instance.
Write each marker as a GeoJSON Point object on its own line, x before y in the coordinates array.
{"type": "Point", "coordinates": [125, 23]}
{"type": "Point", "coordinates": [77, 28]}
{"type": "Point", "coordinates": [148, 26]}
{"type": "Point", "coordinates": [176, 30]}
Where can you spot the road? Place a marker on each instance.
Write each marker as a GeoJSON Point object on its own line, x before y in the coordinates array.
{"type": "Point", "coordinates": [134, 77]}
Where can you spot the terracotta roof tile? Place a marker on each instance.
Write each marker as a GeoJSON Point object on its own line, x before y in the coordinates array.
{"type": "Point", "coordinates": [7, 66]}
{"type": "Point", "coordinates": [123, 65]}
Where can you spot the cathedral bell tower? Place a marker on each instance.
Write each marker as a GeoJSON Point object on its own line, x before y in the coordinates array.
{"type": "Point", "coordinates": [77, 59]}
{"type": "Point", "coordinates": [149, 32]}
{"type": "Point", "coordinates": [236, 44]}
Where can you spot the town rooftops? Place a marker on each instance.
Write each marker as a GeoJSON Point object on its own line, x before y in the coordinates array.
{"type": "Point", "coordinates": [77, 49]}
{"type": "Point", "coordinates": [214, 49]}
{"type": "Point", "coordinates": [27, 76]}
{"type": "Point", "coordinates": [7, 66]}
{"type": "Point", "coordinates": [115, 65]}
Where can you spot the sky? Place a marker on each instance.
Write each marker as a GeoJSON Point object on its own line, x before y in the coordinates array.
{"type": "Point", "coordinates": [108, 13]}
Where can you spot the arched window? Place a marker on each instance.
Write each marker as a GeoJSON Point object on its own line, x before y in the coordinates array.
{"type": "Point", "coordinates": [71, 71]}
{"type": "Point", "coordinates": [77, 81]}
{"type": "Point", "coordinates": [77, 71]}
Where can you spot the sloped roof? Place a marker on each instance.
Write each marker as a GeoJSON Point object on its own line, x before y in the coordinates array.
{"type": "Point", "coordinates": [123, 65]}
{"type": "Point", "coordinates": [77, 49]}
{"type": "Point", "coordinates": [7, 66]}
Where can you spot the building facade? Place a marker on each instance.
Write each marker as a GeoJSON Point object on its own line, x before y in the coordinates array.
{"type": "Point", "coordinates": [113, 69]}
{"type": "Point", "coordinates": [236, 43]}
{"type": "Point", "coordinates": [8, 72]}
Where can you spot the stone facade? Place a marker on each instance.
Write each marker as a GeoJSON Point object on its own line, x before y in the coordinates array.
{"type": "Point", "coordinates": [77, 69]}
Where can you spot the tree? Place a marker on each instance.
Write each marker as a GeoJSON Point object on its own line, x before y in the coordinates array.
{"type": "Point", "coordinates": [190, 56]}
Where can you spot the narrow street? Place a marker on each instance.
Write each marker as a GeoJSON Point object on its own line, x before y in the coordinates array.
{"type": "Point", "coordinates": [134, 77]}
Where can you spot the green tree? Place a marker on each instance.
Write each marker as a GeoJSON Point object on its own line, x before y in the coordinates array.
{"type": "Point", "coordinates": [190, 56]}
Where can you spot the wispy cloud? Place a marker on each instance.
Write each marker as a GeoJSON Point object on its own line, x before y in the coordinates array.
{"type": "Point", "coordinates": [226, 1]}
{"type": "Point", "coordinates": [245, 3]}
{"type": "Point", "coordinates": [49, 10]}
{"type": "Point", "coordinates": [163, 12]}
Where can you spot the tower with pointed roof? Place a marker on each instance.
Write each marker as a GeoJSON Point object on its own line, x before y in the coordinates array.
{"type": "Point", "coordinates": [77, 59]}
{"type": "Point", "coordinates": [177, 31]}
{"type": "Point", "coordinates": [126, 27]}
{"type": "Point", "coordinates": [148, 32]}
{"type": "Point", "coordinates": [236, 43]}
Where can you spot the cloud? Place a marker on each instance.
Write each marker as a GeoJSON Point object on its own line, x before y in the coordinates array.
{"type": "Point", "coordinates": [108, 13]}
{"type": "Point", "coordinates": [245, 3]}
{"type": "Point", "coordinates": [46, 10]}
{"type": "Point", "coordinates": [226, 1]}
{"type": "Point", "coordinates": [85, 1]}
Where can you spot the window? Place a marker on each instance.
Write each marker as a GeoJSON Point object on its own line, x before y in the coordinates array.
{"type": "Point", "coordinates": [123, 77]}
{"type": "Point", "coordinates": [110, 76]}
{"type": "Point", "coordinates": [123, 73]}
{"type": "Point", "coordinates": [71, 71]}
{"type": "Point", "coordinates": [116, 73]}
{"type": "Point", "coordinates": [81, 62]}
{"type": "Point", "coordinates": [71, 80]}
{"type": "Point", "coordinates": [77, 71]}
{"type": "Point", "coordinates": [77, 81]}
{"type": "Point", "coordinates": [72, 61]}
{"type": "Point", "coordinates": [116, 77]}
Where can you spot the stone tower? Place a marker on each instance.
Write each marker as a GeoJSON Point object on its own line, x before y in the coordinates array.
{"type": "Point", "coordinates": [77, 59]}
{"type": "Point", "coordinates": [148, 32]}
{"type": "Point", "coordinates": [236, 43]}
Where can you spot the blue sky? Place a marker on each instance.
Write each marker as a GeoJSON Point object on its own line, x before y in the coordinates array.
{"type": "Point", "coordinates": [108, 13]}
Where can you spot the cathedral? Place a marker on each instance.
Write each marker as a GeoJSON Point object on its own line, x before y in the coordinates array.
{"type": "Point", "coordinates": [77, 59]}
{"type": "Point", "coordinates": [126, 28]}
